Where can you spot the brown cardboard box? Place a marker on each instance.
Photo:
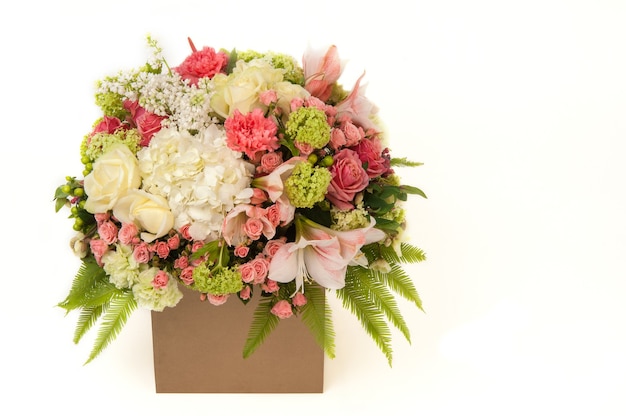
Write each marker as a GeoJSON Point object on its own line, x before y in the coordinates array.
{"type": "Point", "coordinates": [198, 348]}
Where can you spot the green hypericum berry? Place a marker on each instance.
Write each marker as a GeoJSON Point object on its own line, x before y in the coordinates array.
{"type": "Point", "coordinates": [74, 210]}
{"type": "Point", "coordinates": [66, 189]}
{"type": "Point", "coordinates": [312, 158]}
{"type": "Point", "coordinates": [327, 161]}
{"type": "Point", "coordinates": [79, 192]}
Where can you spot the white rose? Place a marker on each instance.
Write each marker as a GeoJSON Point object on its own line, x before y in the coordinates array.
{"type": "Point", "coordinates": [115, 172]}
{"type": "Point", "coordinates": [240, 90]}
{"type": "Point", "coordinates": [149, 212]}
{"type": "Point", "coordinates": [285, 92]}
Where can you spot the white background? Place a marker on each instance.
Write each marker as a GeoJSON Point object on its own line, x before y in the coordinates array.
{"type": "Point", "coordinates": [517, 109]}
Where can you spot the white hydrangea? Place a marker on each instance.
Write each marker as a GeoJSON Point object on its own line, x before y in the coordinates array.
{"type": "Point", "coordinates": [201, 178]}
{"type": "Point", "coordinates": [121, 267]}
{"type": "Point", "coordinates": [155, 299]}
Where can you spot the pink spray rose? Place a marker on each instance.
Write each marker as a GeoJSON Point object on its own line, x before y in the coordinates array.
{"type": "Point", "coordinates": [173, 242]}
{"type": "Point", "coordinates": [181, 262]}
{"type": "Point", "coordinates": [272, 246]}
{"type": "Point", "coordinates": [160, 280]}
{"type": "Point", "coordinates": [161, 249]}
{"type": "Point", "coordinates": [261, 267]}
{"type": "Point", "coordinates": [128, 233]}
{"type": "Point", "coordinates": [282, 309]}
{"type": "Point", "coordinates": [245, 293]}
{"type": "Point", "coordinates": [270, 161]}
{"type": "Point", "coordinates": [108, 231]}
{"type": "Point", "coordinates": [186, 275]}
{"type": "Point", "coordinates": [98, 248]}
{"type": "Point", "coordinates": [299, 299]}
{"type": "Point", "coordinates": [251, 133]}
{"type": "Point", "coordinates": [204, 63]}
{"type": "Point", "coordinates": [371, 153]}
{"type": "Point", "coordinates": [141, 253]}
{"type": "Point", "coordinates": [217, 300]}
{"type": "Point", "coordinates": [247, 271]}
{"type": "Point", "coordinates": [348, 178]}
{"type": "Point", "coordinates": [107, 125]}
{"type": "Point", "coordinates": [241, 251]}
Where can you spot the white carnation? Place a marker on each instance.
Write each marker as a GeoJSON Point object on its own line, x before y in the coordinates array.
{"type": "Point", "coordinates": [121, 266]}
{"type": "Point", "coordinates": [155, 299]}
{"type": "Point", "coordinates": [201, 178]}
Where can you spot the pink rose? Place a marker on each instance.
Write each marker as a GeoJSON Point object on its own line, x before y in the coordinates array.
{"type": "Point", "coordinates": [147, 123]}
{"type": "Point", "coordinates": [282, 309]}
{"type": "Point", "coordinates": [268, 97]}
{"type": "Point", "coordinates": [299, 299]}
{"type": "Point", "coordinates": [371, 153]}
{"type": "Point", "coordinates": [197, 245]}
{"type": "Point", "coordinates": [272, 246]}
{"type": "Point", "coordinates": [217, 300]}
{"type": "Point", "coordinates": [181, 262]}
{"type": "Point", "coordinates": [204, 63]}
{"type": "Point", "coordinates": [141, 253]}
{"type": "Point", "coordinates": [108, 125]}
{"type": "Point", "coordinates": [186, 275]}
{"type": "Point", "coordinates": [270, 286]}
{"type": "Point", "coordinates": [348, 179]}
{"type": "Point", "coordinates": [245, 293]}
{"type": "Point", "coordinates": [258, 196]}
{"type": "Point", "coordinates": [162, 249]}
{"type": "Point", "coordinates": [160, 280]}
{"type": "Point", "coordinates": [270, 161]}
{"type": "Point", "coordinates": [337, 138]}
{"type": "Point", "coordinates": [353, 133]}
{"type": "Point", "coordinates": [108, 232]}
{"type": "Point", "coordinates": [98, 248]}
{"type": "Point", "coordinates": [261, 267]}
{"type": "Point", "coordinates": [128, 233]}
{"type": "Point", "coordinates": [102, 217]}
{"type": "Point", "coordinates": [241, 251]}
{"type": "Point", "coordinates": [248, 273]}
{"type": "Point", "coordinates": [173, 242]}
{"type": "Point", "coordinates": [253, 228]}
{"type": "Point", "coordinates": [272, 213]}
{"type": "Point", "coordinates": [184, 231]}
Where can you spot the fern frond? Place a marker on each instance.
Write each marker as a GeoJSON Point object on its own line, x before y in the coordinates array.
{"type": "Point", "coordinates": [411, 254]}
{"type": "Point", "coordinates": [383, 298]}
{"type": "Point", "coordinates": [357, 299]}
{"type": "Point", "coordinates": [263, 323]}
{"type": "Point", "coordinates": [100, 294]}
{"type": "Point", "coordinates": [403, 161]}
{"type": "Point", "coordinates": [86, 320]}
{"type": "Point", "coordinates": [400, 282]}
{"type": "Point", "coordinates": [115, 316]}
{"type": "Point", "coordinates": [316, 315]}
{"type": "Point", "coordinates": [88, 276]}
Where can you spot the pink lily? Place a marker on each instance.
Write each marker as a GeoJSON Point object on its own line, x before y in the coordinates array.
{"type": "Point", "coordinates": [321, 254]}
{"type": "Point", "coordinates": [321, 71]}
{"type": "Point", "coordinates": [358, 107]}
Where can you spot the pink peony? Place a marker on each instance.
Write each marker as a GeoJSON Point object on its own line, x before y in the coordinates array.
{"type": "Point", "coordinates": [160, 280]}
{"type": "Point", "coordinates": [371, 154]}
{"type": "Point", "coordinates": [204, 63]}
{"type": "Point", "coordinates": [348, 178]}
{"type": "Point", "coordinates": [251, 133]}
{"type": "Point", "coordinates": [282, 309]}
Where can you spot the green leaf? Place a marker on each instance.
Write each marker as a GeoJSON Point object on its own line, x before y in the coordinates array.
{"type": "Point", "coordinates": [316, 314]}
{"type": "Point", "coordinates": [89, 275]}
{"type": "Point", "coordinates": [413, 190]}
{"type": "Point", "coordinates": [113, 320]}
{"type": "Point", "coordinates": [60, 203]}
{"type": "Point", "coordinates": [357, 298]}
{"type": "Point", "coordinates": [263, 323]}
{"type": "Point", "coordinates": [403, 161]}
{"type": "Point", "coordinates": [86, 320]}
{"type": "Point", "coordinates": [232, 61]}
{"type": "Point", "coordinates": [400, 282]}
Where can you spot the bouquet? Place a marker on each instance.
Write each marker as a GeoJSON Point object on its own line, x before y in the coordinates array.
{"type": "Point", "coordinates": [238, 174]}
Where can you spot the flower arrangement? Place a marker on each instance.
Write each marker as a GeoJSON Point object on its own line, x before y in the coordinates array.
{"type": "Point", "coordinates": [239, 174]}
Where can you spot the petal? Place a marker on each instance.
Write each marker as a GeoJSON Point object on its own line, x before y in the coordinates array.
{"type": "Point", "coordinates": [284, 264]}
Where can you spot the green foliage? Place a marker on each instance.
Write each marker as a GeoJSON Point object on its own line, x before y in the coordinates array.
{"type": "Point", "coordinates": [115, 316]}
{"type": "Point", "coordinates": [404, 162]}
{"type": "Point", "coordinates": [263, 323]}
{"type": "Point", "coordinates": [97, 298]}
{"type": "Point", "coordinates": [316, 315]}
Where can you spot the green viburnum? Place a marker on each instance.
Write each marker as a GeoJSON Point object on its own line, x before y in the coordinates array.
{"type": "Point", "coordinates": [111, 103]}
{"type": "Point", "coordinates": [308, 125]}
{"type": "Point", "coordinates": [350, 219]}
{"type": "Point", "coordinates": [307, 185]}
{"type": "Point", "coordinates": [292, 71]}
{"type": "Point", "coordinates": [101, 142]}
{"type": "Point", "coordinates": [222, 281]}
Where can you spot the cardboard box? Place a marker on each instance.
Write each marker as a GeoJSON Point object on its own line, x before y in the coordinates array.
{"type": "Point", "coordinates": [198, 348]}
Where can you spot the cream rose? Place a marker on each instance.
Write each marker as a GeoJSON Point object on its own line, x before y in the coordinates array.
{"type": "Point", "coordinates": [241, 89]}
{"type": "Point", "coordinates": [150, 213]}
{"type": "Point", "coordinates": [114, 173]}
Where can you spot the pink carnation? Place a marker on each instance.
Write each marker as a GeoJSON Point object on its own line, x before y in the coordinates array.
{"type": "Point", "coordinates": [251, 133]}
{"type": "Point", "coordinates": [204, 63]}
{"type": "Point", "coordinates": [282, 309]}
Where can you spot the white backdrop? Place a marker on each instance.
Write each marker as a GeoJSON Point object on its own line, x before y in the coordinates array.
{"type": "Point", "coordinates": [517, 109]}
